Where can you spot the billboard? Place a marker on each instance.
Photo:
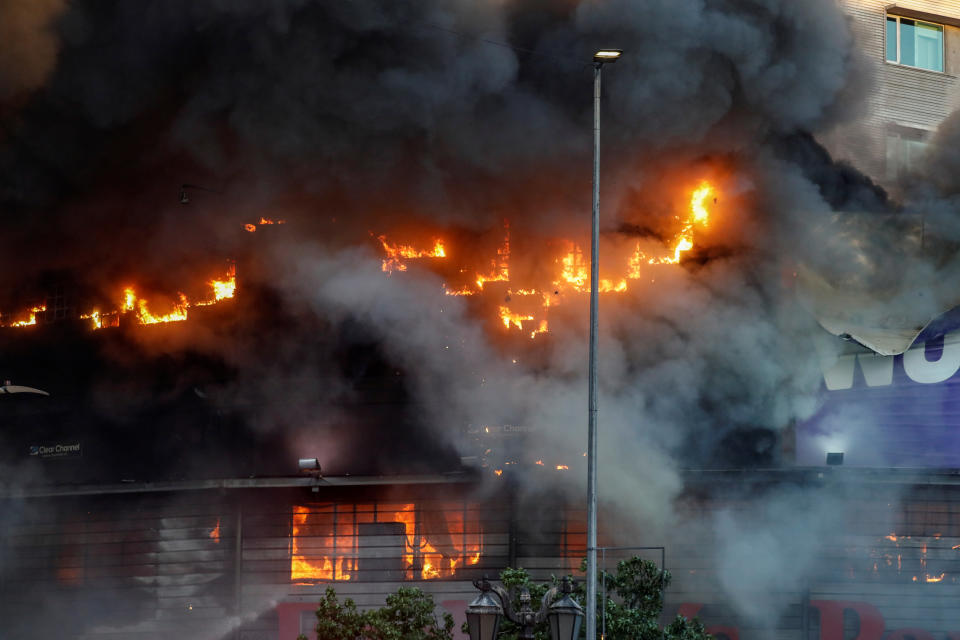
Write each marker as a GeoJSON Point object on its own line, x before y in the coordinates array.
{"type": "Point", "coordinates": [887, 411]}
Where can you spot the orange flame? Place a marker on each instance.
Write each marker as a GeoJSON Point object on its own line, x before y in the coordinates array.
{"type": "Point", "coordinates": [215, 532]}
{"type": "Point", "coordinates": [321, 558]}
{"type": "Point", "coordinates": [252, 227]}
{"type": "Point", "coordinates": [179, 313]}
{"type": "Point", "coordinates": [397, 253]}
{"type": "Point", "coordinates": [500, 266]}
{"type": "Point", "coordinates": [562, 467]}
{"type": "Point", "coordinates": [32, 319]}
{"type": "Point", "coordinates": [575, 274]}
{"type": "Point", "coordinates": [515, 319]}
{"type": "Point", "coordinates": [222, 289]}
{"type": "Point", "coordinates": [304, 568]}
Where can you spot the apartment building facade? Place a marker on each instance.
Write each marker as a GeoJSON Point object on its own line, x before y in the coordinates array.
{"type": "Point", "coordinates": [913, 51]}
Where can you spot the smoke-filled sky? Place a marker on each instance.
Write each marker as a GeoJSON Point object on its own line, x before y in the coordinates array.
{"type": "Point", "coordinates": [451, 116]}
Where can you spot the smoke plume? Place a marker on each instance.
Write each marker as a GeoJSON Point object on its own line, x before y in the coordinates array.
{"type": "Point", "coordinates": [353, 119]}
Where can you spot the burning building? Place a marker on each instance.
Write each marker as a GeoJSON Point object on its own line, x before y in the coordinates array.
{"type": "Point", "coordinates": [387, 271]}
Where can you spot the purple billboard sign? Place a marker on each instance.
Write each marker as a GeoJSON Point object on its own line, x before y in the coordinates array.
{"type": "Point", "coordinates": [889, 411]}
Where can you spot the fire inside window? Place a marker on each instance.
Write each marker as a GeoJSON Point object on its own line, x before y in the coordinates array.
{"type": "Point", "coordinates": [383, 541]}
{"type": "Point", "coordinates": [914, 43]}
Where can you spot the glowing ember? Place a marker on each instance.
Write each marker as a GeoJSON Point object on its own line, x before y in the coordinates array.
{"type": "Point", "coordinates": [215, 532]}
{"type": "Point", "coordinates": [253, 227]}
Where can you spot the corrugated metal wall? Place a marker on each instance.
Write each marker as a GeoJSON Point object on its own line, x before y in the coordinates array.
{"type": "Point", "coordinates": [185, 565]}
{"type": "Point", "coordinates": [169, 566]}
{"type": "Point", "coordinates": [137, 566]}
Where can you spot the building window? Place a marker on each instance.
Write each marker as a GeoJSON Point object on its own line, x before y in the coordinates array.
{"type": "Point", "coordinates": [914, 43]}
{"type": "Point", "coordinates": [905, 148]}
{"type": "Point", "coordinates": [387, 542]}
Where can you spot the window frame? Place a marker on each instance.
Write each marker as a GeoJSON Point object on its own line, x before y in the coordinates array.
{"type": "Point", "coordinates": [943, 43]}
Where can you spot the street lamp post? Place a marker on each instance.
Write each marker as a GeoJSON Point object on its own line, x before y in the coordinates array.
{"type": "Point", "coordinates": [599, 59]}
{"type": "Point", "coordinates": [494, 602]}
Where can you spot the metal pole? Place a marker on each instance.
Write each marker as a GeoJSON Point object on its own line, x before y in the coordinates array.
{"type": "Point", "coordinates": [592, 391]}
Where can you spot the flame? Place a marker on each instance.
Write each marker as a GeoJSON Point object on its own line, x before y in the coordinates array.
{"type": "Point", "coordinates": [94, 317]}
{"type": "Point", "coordinates": [222, 289]}
{"type": "Point", "coordinates": [179, 313]}
{"type": "Point", "coordinates": [938, 578]}
{"type": "Point", "coordinates": [31, 319]}
{"type": "Point", "coordinates": [891, 537]}
{"type": "Point", "coordinates": [543, 328]}
{"type": "Point", "coordinates": [515, 319]}
{"type": "Point", "coordinates": [500, 266]}
{"type": "Point", "coordinates": [463, 291]}
{"type": "Point", "coordinates": [215, 532]}
{"type": "Point", "coordinates": [418, 553]}
{"type": "Point", "coordinates": [100, 320]}
{"type": "Point", "coordinates": [698, 216]}
{"type": "Point", "coordinates": [575, 274]}
{"type": "Point", "coordinates": [323, 568]}
{"type": "Point", "coordinates": [252, 227]}
{"type": "Point", "coordinates": [539, 462]}
{"type": "Point", "coordinates": [573, 268]}
{"type": "Point", "coordinates": [131, 303]}
{"type": "Point", "coordinates": [499, 472]}
{"type": "Point", "coordinates": [396, 253]}
{"type": "Point", "coordinates": [562, 467]}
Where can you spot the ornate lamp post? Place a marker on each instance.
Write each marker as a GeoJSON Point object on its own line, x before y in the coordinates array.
{"type": "Point", "coordinates": [486, 611]}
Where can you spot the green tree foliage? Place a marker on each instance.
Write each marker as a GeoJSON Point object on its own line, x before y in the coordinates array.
{"type": "Point", "coordinates": [633, 605]}
{"type": "Point", "coordinates": [408, 615]}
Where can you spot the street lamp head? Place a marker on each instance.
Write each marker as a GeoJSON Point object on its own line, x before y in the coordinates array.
{"type": "Point", "coordinates": [484, 613]}
{"type": "Point", "coordinates": [607, 55]}
{"type": "Point", "coordinates": [309, 465]}
{"type": "Point", "coordinates": [565, 615]}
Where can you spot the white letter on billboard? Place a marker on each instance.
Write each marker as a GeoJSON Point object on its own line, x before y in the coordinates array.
{"type": "Point", "coordinates": [919, 369]}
